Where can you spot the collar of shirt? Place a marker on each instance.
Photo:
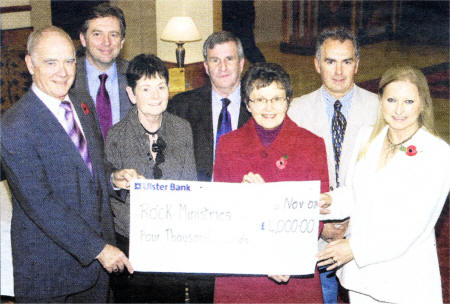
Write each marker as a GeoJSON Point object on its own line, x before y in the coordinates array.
{"type": "Point", "coordinates": [112, 86]}
{"type": "Point", "coordinates": [329, 100]}
{"type": "Point", "coordinates": [233, 108]}
{"type": "Point", "coordinates": [53, 104]}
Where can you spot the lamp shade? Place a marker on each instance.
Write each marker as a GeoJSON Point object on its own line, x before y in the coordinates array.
{"type": "Point", "coordinates": [181, 29]}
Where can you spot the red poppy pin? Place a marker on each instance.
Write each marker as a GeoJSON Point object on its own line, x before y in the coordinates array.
{"type": "Point", "coordinates": [85, 108]}
{"type": "Point", "coordinates": [410, 150]}
{"type": "Point", "coordinates": [282, 162]}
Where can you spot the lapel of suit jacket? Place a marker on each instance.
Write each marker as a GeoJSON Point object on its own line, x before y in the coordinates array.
{"type": "Point", "coordinates": [244, 114]}
{"type": "Point", "coordinates": [81, 80]}
{"type": "Point", "coordinates": [48, 127]}
{"type": "Point", "coordinates": [319, 116]}
{"type": "Point", "coordinates": [81, 89]}
{"type": "Point", "coordinates": [204, 113]}
{"type": "Point", "coordinates": [355, 120]}
{"type": "Point", "coordinates": [80, 86]}
{"type": "Point", "coordinates": [125, 103]}
{"type": "Point", "coordinates": [95, 144]}
{"type": "Point", "coordinates": [205, 116]}
{"type": "Point", "coordinates": [91, 132]}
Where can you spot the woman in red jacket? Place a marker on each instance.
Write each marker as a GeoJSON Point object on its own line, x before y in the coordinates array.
{"type": "Point", "coordinates": [269, 148]}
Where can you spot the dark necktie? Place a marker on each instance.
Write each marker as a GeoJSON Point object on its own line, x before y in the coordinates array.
{"type": "Point", "coordinates": [224, 124]}
{"type": "Point", "coordinates": [338, 125]}
{"type": "Point", "coordinates": [103, 106]}
{"type": "Point", "coordinates": [73, 130]}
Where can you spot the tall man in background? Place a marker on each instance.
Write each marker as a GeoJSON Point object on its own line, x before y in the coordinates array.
{"type": "Point", "coordinates": [204, 107]}
{"type": "Point", "coordinates": [52, 153]}
{"type": "Point", "coordinates": [335, 112]}
{"type": "Point", "coordinates": [238, 17]}
{"type": "Point", "coordinates": [100, 73]}
{"type": "Point", "coordinates": [212, 111]}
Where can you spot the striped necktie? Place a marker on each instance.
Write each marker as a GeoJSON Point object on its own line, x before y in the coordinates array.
{"type": "Point", "coordinates": [338, 125]}
{"type": "Point", "coordinates": [73, 130]}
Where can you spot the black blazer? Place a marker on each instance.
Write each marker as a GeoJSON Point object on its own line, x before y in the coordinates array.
{"type": "Point", "coordinates": [195, 106]}
{"type": "Point", "coordinates": [80, 86]}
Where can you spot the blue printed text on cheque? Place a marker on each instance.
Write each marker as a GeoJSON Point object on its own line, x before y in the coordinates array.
{"type": "Point", "coordinates": [157, 186]}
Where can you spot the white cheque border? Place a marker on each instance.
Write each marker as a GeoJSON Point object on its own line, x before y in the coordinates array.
{"type": "Point", "coordinates": [200, 227]}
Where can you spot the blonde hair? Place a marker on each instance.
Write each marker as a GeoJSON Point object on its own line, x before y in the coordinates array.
{"type": "Point", "coordinates": [416, 77]}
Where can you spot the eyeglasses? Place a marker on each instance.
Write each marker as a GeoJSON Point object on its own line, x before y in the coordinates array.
{"type": "Point", "coordinates": [275, 101]}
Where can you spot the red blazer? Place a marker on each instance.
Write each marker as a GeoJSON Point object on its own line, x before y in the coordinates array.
{"type": "Point", "coordinates": [240, 152]}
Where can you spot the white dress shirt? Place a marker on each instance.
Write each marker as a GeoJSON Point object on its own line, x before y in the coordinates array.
{"type": "Point", "coordinates": [54, 105]}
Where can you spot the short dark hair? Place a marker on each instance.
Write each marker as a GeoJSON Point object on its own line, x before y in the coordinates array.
{"type": "Point", "coordinates": [105, 10]}
{"type": "Point", "coordinates": [336, 33]}
{"type": "Point", "coordinates": [263, 74]}
{"type": "Point", "coordinates": [144, 65]}
{"type": "Point", "coordinates": [219, 38]}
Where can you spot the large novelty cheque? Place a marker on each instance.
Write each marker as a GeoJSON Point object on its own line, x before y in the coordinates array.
{"type": "Point", "coordinates": [200, 227]}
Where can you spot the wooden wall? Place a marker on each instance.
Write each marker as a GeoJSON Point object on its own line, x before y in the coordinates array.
{"type": "Point", "coordinates": [16, 26]}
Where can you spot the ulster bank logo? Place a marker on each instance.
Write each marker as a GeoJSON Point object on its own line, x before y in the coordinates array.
{"type": "Point", "coordinates": [157, 186]}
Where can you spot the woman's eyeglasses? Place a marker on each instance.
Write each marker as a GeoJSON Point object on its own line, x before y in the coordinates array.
{"type": "Point", "coordinates": [275, 101]}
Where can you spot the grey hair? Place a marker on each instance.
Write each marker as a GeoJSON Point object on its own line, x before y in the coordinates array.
{"type": "Point", "coordinates": [36, 36]}
{"type": "Point", "coordinates": [219, 38]}
{"type": "Point", "coordinates": [337, 33]}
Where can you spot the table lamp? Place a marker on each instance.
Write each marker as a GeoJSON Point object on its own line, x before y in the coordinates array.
{"type": "Point", "coordinates": [180, 30]}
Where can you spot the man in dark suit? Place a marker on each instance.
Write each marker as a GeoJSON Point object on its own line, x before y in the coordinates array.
{"type": "Point", "coordinates": [52, 152]}
{"type": "Point", "coordinates": [223, 61]}
{"type": "Point", "coordinates": [103, 35]}
{"type": "Point", "coordinates": [238, 17]}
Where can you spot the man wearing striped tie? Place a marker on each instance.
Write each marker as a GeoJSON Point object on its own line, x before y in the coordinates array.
{"type": "Point", "coordinates": [336, 111]}
{"type": "Point", "coordinates": [52, 153]}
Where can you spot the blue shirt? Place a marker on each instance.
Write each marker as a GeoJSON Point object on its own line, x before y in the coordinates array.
{"type": "Point", "coordinates": [329, 100]}
{"type": "Point", "coordinates": [112, 86]}
{"type": "Point", "coordinates": [233, 108]}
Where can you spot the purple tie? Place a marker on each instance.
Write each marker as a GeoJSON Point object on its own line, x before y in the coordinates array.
{"type": "Point", "coordinates": [103, 106]}
{"type": "Point", "coordinates": [224, 124]}
{"type": "Point", "coordinates": [75, 134]}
